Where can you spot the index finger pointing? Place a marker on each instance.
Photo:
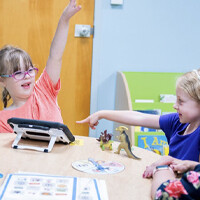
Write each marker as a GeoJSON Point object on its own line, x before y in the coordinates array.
{"type": "Point", "coordinates": [82, 121]}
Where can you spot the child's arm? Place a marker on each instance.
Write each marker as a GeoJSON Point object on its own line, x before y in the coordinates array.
{"type": "Point", "coordinates": [164, 160]}
{"type": "Point", "coordinates": [182, 166]}
{"type": "Point", "coordinates": [179, 166]}
{"type": "Point", "coordinates": [160, 177]}
{"type": "Point", "coordinates": [125, 117]}
{"type": "Point", "coordinates": [54, 61]}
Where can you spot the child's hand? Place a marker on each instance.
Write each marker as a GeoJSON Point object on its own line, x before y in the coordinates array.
{"type": "Point", "coordinates": [70, 10]}
{"type": "Point", "coordinates": [164, 160]}
{"type": "Point", "coordinates": [92, 120]}
{"type": "Point", "coordinates": [148, 173]}
{"type": "Point", "coordinates": [180, 166]}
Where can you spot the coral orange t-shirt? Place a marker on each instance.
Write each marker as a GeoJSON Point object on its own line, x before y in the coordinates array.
{"type": "Point", "coordinates": [41, 105]}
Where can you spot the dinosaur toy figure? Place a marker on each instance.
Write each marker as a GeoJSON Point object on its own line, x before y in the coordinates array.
{"type": "Point", "coordinates": [125, 142]}
{"type": "Point", "coordinates": [105, 140]}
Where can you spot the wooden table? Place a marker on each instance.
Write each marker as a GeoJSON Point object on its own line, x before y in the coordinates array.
{"type": "Point", "coordinates": [127, 184]}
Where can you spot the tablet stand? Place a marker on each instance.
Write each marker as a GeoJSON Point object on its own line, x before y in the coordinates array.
{"type": "Point", "coordinates": [39, 130]}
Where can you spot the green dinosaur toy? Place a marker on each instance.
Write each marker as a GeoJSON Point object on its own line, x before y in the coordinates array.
{"type": "Point", "coordinates": [125, 142]}
{"type": "Point", "coordinates": [105, 140]}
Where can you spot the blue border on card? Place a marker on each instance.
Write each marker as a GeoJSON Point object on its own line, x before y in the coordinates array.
{"type": "Point", "coordinates": [74, 189]}
{"type": "Point", "coordinates": [96, 186]}
{"type": "Point", "coordinates": [6, 186]}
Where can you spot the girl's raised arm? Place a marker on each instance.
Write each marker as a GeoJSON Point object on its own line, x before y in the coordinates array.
{"type": "Point", "coordinates": [54, 61]}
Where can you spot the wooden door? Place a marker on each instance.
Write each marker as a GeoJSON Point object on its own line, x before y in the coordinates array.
{"type": "Point", "coordinates": [31, 24]}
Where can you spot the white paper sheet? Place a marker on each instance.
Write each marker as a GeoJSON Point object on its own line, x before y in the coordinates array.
{"type": "Point", "coordinates": [22, 186]}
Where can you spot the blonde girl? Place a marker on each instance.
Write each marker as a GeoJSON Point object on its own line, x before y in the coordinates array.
{"type": "Point", "coordinates": [182, 129]}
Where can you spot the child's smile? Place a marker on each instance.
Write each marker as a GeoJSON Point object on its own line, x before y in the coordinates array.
{"type": "Point", "coordinates": [187, 108]}
{"type": "Point", "coordinates": [26, 85]}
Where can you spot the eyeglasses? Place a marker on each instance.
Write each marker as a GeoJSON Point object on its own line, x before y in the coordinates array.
{"type": "Point", "coordinates": [19, 75]}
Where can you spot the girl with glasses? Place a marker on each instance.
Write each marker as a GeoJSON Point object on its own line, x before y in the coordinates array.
{"type": "Point", "coordinates": [30, 99]}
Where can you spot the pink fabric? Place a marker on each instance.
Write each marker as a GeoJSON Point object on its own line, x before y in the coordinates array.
{"type": "Point", "coordinates": [41, 105]}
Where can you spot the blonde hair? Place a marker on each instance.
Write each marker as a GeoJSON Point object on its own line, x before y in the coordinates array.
{"type": "Point", "coordinates": [190, 83]}
{"type": "Point", "coordinates": [10, 63]}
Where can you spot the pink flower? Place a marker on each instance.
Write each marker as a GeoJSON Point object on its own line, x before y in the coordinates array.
{"type": "Point", "coordinates": [175, 189]}
{"type": "Point", "coordinates": [193, 177]}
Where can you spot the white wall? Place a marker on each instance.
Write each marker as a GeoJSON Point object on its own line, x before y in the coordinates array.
{"type": "Point", "coordinates": [141, 35]}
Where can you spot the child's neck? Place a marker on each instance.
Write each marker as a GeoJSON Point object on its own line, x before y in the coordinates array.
{"type": "Point", "coordinates": [15, 105]}
{"type": "Point", "coordinates": [191, 128]}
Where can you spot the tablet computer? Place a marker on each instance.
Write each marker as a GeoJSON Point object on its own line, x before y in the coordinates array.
{"type": "Point", "coordinates": [40, 130]}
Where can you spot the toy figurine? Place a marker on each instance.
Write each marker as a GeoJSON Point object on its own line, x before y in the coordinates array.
{"type": "Point", "coordinates": [105, 140]}
{"type": "Point", "coordinates": [125, 142]}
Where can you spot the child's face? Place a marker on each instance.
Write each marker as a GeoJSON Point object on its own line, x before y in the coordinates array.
{"type": "Point", "coordinates": [187, 108]}
{"type": "Point", "coordinates": [20, 89]}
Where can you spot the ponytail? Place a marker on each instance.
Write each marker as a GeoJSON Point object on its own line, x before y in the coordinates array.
{"type": "Point", "coordinates": [5, 97]}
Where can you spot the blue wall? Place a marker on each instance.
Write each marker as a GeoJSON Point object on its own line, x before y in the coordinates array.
{"type": "Point", "coordinates": [141, 35]}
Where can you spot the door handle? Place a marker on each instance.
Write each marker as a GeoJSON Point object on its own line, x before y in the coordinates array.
{"type": "Point", "coordinates": [82, 30]}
